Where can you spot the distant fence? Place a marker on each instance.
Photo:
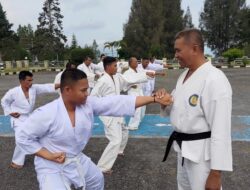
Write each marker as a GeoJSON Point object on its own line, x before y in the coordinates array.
{"type": "Point", "coordinates": [26, 64]}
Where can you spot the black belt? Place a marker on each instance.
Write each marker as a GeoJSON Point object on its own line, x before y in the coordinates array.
{"type": "Point", "coordinates": [179, 137]}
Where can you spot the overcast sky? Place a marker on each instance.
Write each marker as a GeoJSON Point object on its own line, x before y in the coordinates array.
{"type": "Point", "coordinates": [88, 19]}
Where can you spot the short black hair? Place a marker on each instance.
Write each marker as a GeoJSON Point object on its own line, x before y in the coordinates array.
{"type": "Point", "coordinates": [108, 61]}
{"type": "Point", "coordinates": [69, 65]}
{"type": "Point", "coordinates": [145, 58]}
{"type": "Point", "coordinates": [102, 55]}
{"type": "Point", "coordinates": [192, 35]}
{"type": "Point", "coordinates": [23, 74]}
{"type": "Point", "coordinates": [86, 58]}
{"type": "Point", "coordinates": [71, 76]}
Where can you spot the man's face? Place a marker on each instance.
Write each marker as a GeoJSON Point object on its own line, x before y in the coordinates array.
{"type": "Point", "coordinates": [88, 61]}
{"type": "Point", "coordinates": [145, 63]}
{"type": "Point", "coordinates": [134, 63]}
{"type": "Point", "coordinates": [27, 82]}
{"type": "Point", "coordinates": [183, 52]}
{"type": "Point", "coordinates": [78, 92]}
{"type": "Point", "coordinates": [113, 68]}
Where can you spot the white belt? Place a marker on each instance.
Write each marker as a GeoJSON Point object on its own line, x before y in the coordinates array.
{"type": "Point", "coordinates": [80, 170]}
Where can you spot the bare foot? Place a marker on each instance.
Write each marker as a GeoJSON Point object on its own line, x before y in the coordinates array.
{"type": "Point", "coordinates": [16, 166]}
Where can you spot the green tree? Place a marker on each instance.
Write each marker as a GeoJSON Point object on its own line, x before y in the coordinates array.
{"type": "Point", "coordinates": [244, 30]}
{"type": "Point", "coordinates": [95, 49]}
{"type": "Point", "coordinates": [26, 36]}
{"type": "Point", "coordinates": [151, 27]}
{"type": "Point", "coordinates": [219, 23]}
{"type": "Point", "coordinates": [233, 53]}
{"type": "Point", "coordinates": [112, 46]}
{"type": "Point", "coordinates": [51, 19]}
{"type": "Point", "coordinates": [122, 50]}
{"type": "Point", "coordinates": [144, 27]}
{"type": "Point", "coordinates": [77, 55]}
{"type": "Point", "coordinates": [74, 43]}
{"type": "Point", "coordinates": [173, 23]}
{"type": "Point", "coordinates": [187, 19]}
{"type": "Point", "coordinates": [7, 37]}
{"type": "Point", "coordinates": [49, 38]}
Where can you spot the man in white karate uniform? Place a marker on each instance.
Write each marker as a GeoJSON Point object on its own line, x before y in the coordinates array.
{"type": "Point", "coordinates": [100, 68]}
{"type": "Point", "coordinates": [116, 131]}
{"type": "Point", "coordinates": [88, 69]}
{"type": "Point", "coordinates": [57, 80]}
{"type": "Point", "coordinates": [135, 90]}
{"type": "Point", "coordinates": [58, 132]}
{"type": "Point", "coordinates": [200, 116]}
{"type": "Point", "coordinates": [19, 102]}
{"type": "Point", "coordinates": [148, 87]}
{"type": "Point", "coordinates": [152, 65]}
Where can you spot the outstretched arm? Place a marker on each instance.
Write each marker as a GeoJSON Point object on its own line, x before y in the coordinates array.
{"type": "Point", "coordinates": [124, 105]}
{"type": "Point", "coordinates": [163, 99]}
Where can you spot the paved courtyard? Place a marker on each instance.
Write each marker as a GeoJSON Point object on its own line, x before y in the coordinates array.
{"type": "Point", "coordinates": [141, 168]}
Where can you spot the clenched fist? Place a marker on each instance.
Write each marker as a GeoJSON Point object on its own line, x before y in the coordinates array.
{"type": "Point", "coordinates": [58, 157]}
{"type": "Point", "coordinates": [163, 97]}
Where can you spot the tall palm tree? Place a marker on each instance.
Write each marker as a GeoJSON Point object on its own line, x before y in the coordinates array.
{"type": "Point", "coordinates": [112, 45]}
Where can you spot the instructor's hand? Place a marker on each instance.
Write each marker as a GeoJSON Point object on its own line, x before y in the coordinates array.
{"type": "Point", "coordinates": [165, 100]}
{"type": "Point", "coordinates": [15, 114]}
{"type": "Point", "coordinates": [160, 93]}
{"type": "Point", "coordinates": [213, 180]}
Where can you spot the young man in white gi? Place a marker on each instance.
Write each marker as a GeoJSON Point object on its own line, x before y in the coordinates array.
{"type": "Point", "coordinates": [148, 87]}
{"type": "Point", "coordinates": [152, 65]}
{"type": "Point", "coordinates": [58, 132]}
{"type": "Point", "coordinates": [135, 90]}
{"type": "Point", "coordinates": [19, 102]}
{"type": "Point", "coordinates": [57, 80]}
{"type": "Point", "coordinates": [100, 68]}
{"type": "Point", "coordinates": [87, 68]}
{"type": "Point", "coordinates": [200, 116]}
{"type": "Point", "coordinates": [112, 83]}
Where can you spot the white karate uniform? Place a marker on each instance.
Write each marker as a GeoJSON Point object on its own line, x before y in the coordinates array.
{"type": "Point", "coordinates": [151, 86]}
{"type": "Point", "coordinates": [203, 103]}
{"type": "Point", "coordinates": [135, 90]}
{"type": "Point", "coordinates": [90, 74]}
{"type": "Point", "coordinates": [146, 87]}
{"type": "Point", "coordinates": [115, 128]}
{"type": "Point", "coordinates": [58, 80]}
{"type": "Point", "coordinates": [50, 127]}
{"type": "Point", "coordinates": [122, 66]}
{"type": "Point", "coordinates": [58, 77]}
{"type": "Point", "coordinates": [99, 68]}
{"type": "Point", "coordinates": [15, 101]}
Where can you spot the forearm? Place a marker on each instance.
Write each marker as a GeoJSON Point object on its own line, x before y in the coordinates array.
{"type": "Point", "coordinates": [44, 153]}
{"type": "Point", "coordinates": [215, 172]}
{"type": "Point", "coordinates": [143, 100]}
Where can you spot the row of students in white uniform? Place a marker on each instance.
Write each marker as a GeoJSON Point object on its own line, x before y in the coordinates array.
{"type": "Point", "coordinates": [112, 82]}
{"type": "Point", "coordinates": [200, 115]}
{"type": "Point", "coordinates": [58, 132]}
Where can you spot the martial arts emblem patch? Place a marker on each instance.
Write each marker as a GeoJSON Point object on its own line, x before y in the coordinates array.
{"type": "Point", "coordinates": [193, 100]}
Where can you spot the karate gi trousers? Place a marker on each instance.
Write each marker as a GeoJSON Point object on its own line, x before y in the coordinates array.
{"type": "Point", "coordinates": [18, 155]}
{"type": "Point", "coordinates": [117, 134]}
{"type": "Point", "coordinates": [191, 175]}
